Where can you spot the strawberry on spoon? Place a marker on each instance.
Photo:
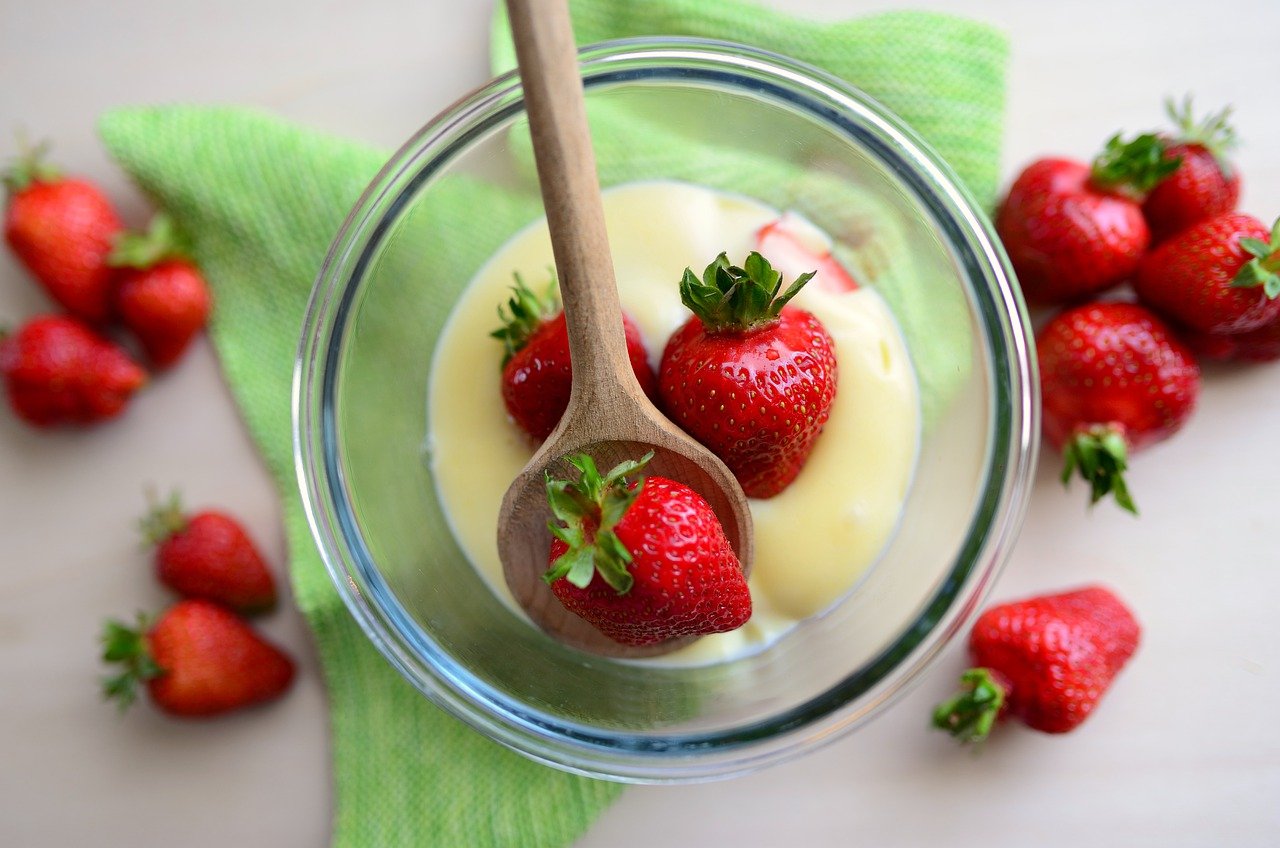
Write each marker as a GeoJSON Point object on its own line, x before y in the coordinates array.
{"type": "Point", "coordinates": [643, 560]}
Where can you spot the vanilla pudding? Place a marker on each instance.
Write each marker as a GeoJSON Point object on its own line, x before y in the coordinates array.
{"type": "Point", "coordinates": [815, 539]}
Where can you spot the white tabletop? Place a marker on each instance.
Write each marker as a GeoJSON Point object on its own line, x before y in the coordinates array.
{"type": "Point", "coordinates": [1185, 750]}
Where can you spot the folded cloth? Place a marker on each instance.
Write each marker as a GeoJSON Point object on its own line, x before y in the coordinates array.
{"type": "Point", "coordinates": [262, 199]}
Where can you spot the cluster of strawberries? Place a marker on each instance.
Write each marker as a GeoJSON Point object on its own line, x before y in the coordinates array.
{"type": "Point", "coordinates": [62, 369]}
{"type": "Point", "coordinates": [749, 376]}
{"type": "Point", "coordinates": [199, 658]}
{"type": "Point", "coordinates": [1157, 212]}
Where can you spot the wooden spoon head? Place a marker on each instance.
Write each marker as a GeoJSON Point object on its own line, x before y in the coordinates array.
{"type": "Point", "coordinates": [524, 542]}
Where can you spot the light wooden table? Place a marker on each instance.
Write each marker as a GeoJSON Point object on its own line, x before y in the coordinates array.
{"type": "Point", "coordinates": [1184, 752]}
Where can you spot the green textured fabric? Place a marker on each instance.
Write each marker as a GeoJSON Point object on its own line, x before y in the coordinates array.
{"type": "Point", "coordinates": [944, 75]}
{"type": "Point", "coordinates": [262, 200]}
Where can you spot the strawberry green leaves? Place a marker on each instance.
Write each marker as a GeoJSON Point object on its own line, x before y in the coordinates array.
{"type": "Point", "coordinates": [127, 646]}
{"type": "Point", "coordinates": [970, 715]}
{"type": "Point", "coordinates": [738, 298]}
{"type": "Point", "coordinates": [29, 167]}
{"type": "Point", "coordinates": [1101, 456]}
{"type": "Point", "coordinates": [1264, 268]}
{"type": "Point", "coordinates": [1214, 132]}
{"type": "Point", "coordinates": [1134, 167]}
{"type": "Point", "coordinates": [161, 241]}
{"type": "Point", "coordinates": [587, 510]}
{"type": "Point", "coordinates": [525, 312]}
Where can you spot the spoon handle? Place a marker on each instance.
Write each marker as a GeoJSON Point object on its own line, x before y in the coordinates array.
{"type": "Point", "coordinates": [548, 61]}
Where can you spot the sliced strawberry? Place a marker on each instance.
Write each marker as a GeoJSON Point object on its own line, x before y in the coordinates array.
{"type": "Point", "coordinates": [795, 247]}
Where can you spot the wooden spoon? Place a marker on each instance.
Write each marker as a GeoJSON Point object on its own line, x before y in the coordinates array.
{"type": "Point", "coordinates": [608, 416]}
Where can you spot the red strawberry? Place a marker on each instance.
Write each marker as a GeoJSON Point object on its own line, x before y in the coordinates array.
{"type": "Point", "coordinates": [748, 376]}
{"type": "Point", "coordinates": [197, 660]}
{"type": "Point", "coordinates": [537, 373]}
{"type": "Point", "coordinates": [642, 562]}
{"type": "Point", "coordinates": [1205, 184]}
{"type": "Point", "coordinates": [1220, 276]}
{"type": "Point", "coordinates": [61, 229]}
{"type": "Point", "coordinates": [1046, 661]}
{"type": "Point", "coordinates": [1113, 380]}
{"type": "Point", "coordinates": [1072, 230]}
{"type": "Point", "coordinates": [58, 371]}
{"type": "Point", "coordinates": [161, 295]}
{"type": "Point", "coordinates": [1260, 345]}
{"type": "Point", "coordinates": [208, 555]}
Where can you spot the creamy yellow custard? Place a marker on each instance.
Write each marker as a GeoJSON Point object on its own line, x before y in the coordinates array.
{"type": "Point", "coordinates": [814, 540]}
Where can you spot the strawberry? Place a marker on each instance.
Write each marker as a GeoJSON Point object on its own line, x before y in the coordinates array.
{"type": "Point", "coordinates": [161, 296]}
{"type": "Point", "coordinates": [61, 229]}
{"type": "Point", "coordinates": [197, 660]}
{"type": "Point", "coordinates": [1220, 276]}
{"type": "Point", "coordinates": [1072, 230]}
{"type": "Point", "coordinates": [1205, 184]}
{"type": "Point", "coordinates": [1113, 380]}
{"type": "Point", "coordinates": [1045, 661]}
{"type": "Point", "coordinates": [208, 555]}
{"type": "Point", "coordinates": [537, 373]}
{"type": "Point", "coordinates": [58, 371]}
{"type": "Point", "coordinates": [792, 245]}
{"type": "Point", "coordinates": [1260, 345]}
{"type": "Point", "coordinates": [642, 561]}
{"type": "Point", "coordinates": [748, 376]}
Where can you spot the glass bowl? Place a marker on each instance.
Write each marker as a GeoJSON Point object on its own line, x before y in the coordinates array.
{"type": "Point", "coordinates": [733, 118]}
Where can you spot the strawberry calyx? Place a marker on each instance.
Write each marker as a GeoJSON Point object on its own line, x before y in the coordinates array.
{"type": "Point", "coordinates": [163, 518]}
{"type": "Point", "coordinates": [142, 250]}
{"type": "Point", "coordinates": [587, 510]}
{"type": "Point", "coordinates": [29, 167]}
{"type": "Point", "coordinates": [127, 647]}
{"type": "Point", "coordinates": [970, 715]}
{"type": "Point", "coordinates": [732, 298]}
{"type": "Point", "coordinates": [1264, 268]}
{"type": "Point", "coordinates": [525, 312]}
{"type": "Point", "coordinates": [1214, 132]}
{"type": "Point", "coordinates": [1133, 168]}
{"type": "Point", "coordinates": [1100, 455]}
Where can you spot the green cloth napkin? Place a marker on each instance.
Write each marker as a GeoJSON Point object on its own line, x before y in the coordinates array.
{"type": "Point", "coordinates": [262, 199]}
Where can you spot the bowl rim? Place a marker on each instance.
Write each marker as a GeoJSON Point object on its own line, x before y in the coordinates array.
{"type": "Point", "coordinates": [1007, 475]}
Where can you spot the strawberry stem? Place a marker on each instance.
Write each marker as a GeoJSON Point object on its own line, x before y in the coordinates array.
{"type": "Point", "coordinates": [1264, 268]}
{"type": "Point", "coordinates": [1133, 168]}
{"type": "Point", "coordinates": [127, 647]}
{"type": "Point", "coordinates": [163, 519]}
{"type": "Point", "coordinates": [1214, 133]}
{"type": "Point", "coordinates": [1100, 454]}
{"type": "Point", "coordinates": [730, 298]}
{"type": "Point", "coordinates": [29, 166]}
{"type": "Point", "coordinates": [587, 511]}
{"type": "Point", "coordinates": [142, 250]}
{"type": "Point", "coordinates": [525, 312]}
{"type": "Point", "coordinates": [970, 715]}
